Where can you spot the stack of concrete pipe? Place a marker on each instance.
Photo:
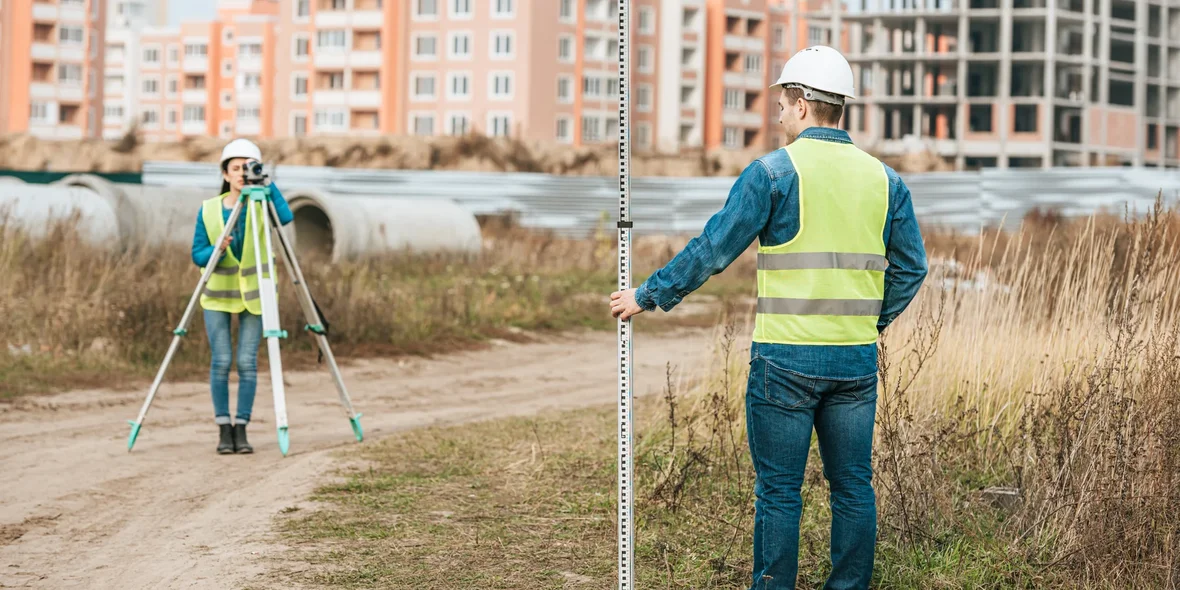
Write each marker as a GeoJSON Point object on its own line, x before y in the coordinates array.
{"type": "Point", "coordinates": [120, 215]}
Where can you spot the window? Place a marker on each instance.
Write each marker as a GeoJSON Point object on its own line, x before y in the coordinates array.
{"type": "Point", "coordinates": [735, 100]}
{"type": "Point", "coordinates": [458, 124]}
{"type": "Point", "coordinates": [565, 48]}
{"type": "Point", "coordinates": [565, 129]}
{"type": "Point", "coordinates": [249, 113]}
{"type": "Point", "coordinates": [150, 117]}
{"type": "Point", "coordinates": [194, 113]}
{"type": "Point", "coordinates": [151, 56]}
{"type": "Point", "coordinates": [732, 137]}
{"type": "Point", "coordinates": [643, 97]}
{"type": "Point", "coordinates": [227, 36]}
{"type": "Point", "coordinates": [339, 4]}
{"type": "Point", "coordinates": [227, 68]}
{"type": "Point", "coordinates": [251, 82]}
{"type": "Point", "coordinates": [503, 8]}
{"type": "Point", "coordinates": [303, 10]}
{"type": "Point", "coordinates": [196, 50]}
{"type": "Point", "coordinates": [753, 63]}
{"type": "Point", "coordinates": [502, 46]}
{"type": "Point", "coordinates": [460, 45]}
{"type": "Point", "coordinates": [69, 73]}
{"type": "Point", "coordinates": [69, 35]}
{"type": "Point", "coordinates": [110, 111]}
{"type": "Point", "coordinates": [333, 81]}
{"type": "Point", "coordinates": [423, 124]}
{"type": "Point", "coordinates": [501, 85]}
{"type": "Point", "coordinates": [643, 135]}
{"type": "Point", "coordinates": [426, 47]}
{"type": "Point", "coordinates": [591, 87]}
{"type": "Point", "coordinates": [565, 91]}
{"type": "Point", "coordinates": [173, 85]}
{"type": "Point", "coordinates": [612, 88]}
{"type": "Point", "coordinates": [647, 21]}
{"type": "Point", "coordinates": [331, 41]}
{"type": "Point", "coordinates": [815, 35]}
{"type": "Point", "coordinates": [423, 86]}
{"type": "Point", "coordinates": [326, 118]}
{"type": "Point", "coordinates": [499, 124]}
{"type": "Point", "coordinates": [302, 48]}
{"type": "Point", "coordinates": [590, 130]}
{"type": "Point", "coordinates": [151, 86]}
{"type": "Point", "coordinates": [1026, 118]}
{"type": "Point", "coordinates": [461, 9]}
{"type": "Point", "coordinates": [227, 99]}
{"type": "Point", "coordinates": [459, 85]}
{"type": "Point", "coordinates": [780, 37]}
{"type": "Point", "coordinates": [567, 10]}
{"type": "Point", "coordinates": [171, 122]}
{"type": "Point", "coordinates": [646, 63]}
{"type": "Point", "coordinates": [173, 54]}
{"type": "Point", "coordinates": [250, 50]}
{"type": "Point", "coordinates": [39, 111]}
{"type": "Point", "coordinates": [299, 125]}
{"type": "Point", "coordinates": [426, 8]}
{"type": "Point", "coordinates": [300, 85]}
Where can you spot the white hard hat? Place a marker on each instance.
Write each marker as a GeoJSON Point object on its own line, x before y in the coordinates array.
{"type": "Point", "coordinates": [822, 72]}
{"type": "Point", "coordinates": [240, 148]}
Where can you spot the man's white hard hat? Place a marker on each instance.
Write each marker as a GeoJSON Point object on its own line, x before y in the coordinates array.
{"type": "Point", "coordinates": [821, 72]}
{"type": "Point", "coordinates": [240, 148]}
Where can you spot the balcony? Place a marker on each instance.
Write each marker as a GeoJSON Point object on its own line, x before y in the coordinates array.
{"type": "Point", "coordinates": [67, 92]}
{"type": "Point", "coordinates": [193, 128]}
{"type": "Point", "coordinates": [249, 96]}
{"type": "Point", "coordinates": [71, 13]}
{"type": "Point", "coordinates": [195, 96]}
{"type": "Point", "coordinates": [331, 59]}
{"type": "Point", "coordinates": [367, 19]}
{"type": "Point", "coordinates": [71, 53]}
{"type": "Point", "coordinates": [365, 59]}
{"type": "Point", "coordinates": [735, 42]}
{"type": "Point", "coordinates": [330, 98]}
{"type": "Point", "coordinates": [42, 90]}
{"type": "Point", "coordinates": [364, 98]}
{"type": "Point", "coordinates": [248, 126]}
{"type": "Point", "coordinates": [195, 64]}
{"type": "Point", "coordinates": [331, 19]}
{"type": "Point", "coordinates": [745, 81]}
{"type": "Point", "coordinates": [46, 51]}
{"type": "Point", "coordinates": [742, 118]}
{"type": "Point", "coordinates": [43, 12]}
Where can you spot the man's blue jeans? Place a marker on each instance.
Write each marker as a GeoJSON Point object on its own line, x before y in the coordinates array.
{"type": "Point", "coordinates": [217, 326]}
{"type": "Point", "coordinates": [782, 407]}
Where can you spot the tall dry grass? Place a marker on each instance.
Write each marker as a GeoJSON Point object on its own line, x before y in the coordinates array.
{"type": "Point", "coordinates": [1028, 431]}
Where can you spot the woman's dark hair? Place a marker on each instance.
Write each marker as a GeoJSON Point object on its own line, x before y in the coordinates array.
{"type": "Point", "coordinates": [224, 184]}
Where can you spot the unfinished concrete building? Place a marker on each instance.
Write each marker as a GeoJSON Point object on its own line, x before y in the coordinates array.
{"type": "Point", "coordinates": [1017, 83]}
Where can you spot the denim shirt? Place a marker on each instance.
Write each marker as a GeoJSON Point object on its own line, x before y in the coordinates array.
{"type": "Point", "coordinates": [203, 249]}
{"type": "Point", "coordinates": [764, 204]}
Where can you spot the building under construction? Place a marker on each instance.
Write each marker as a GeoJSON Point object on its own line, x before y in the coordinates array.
{"type": "Point", "coordinates": [1016, 83]}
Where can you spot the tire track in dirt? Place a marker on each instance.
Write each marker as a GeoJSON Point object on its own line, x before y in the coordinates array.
{"type": "Point", "coordinates": [78, 511]}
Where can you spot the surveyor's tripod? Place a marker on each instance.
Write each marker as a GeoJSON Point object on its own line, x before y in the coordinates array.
{"type": "Point", "coordinates": [261, 210]}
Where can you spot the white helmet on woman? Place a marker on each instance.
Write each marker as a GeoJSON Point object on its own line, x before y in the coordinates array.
{"type": "Point", "coordinates": [240, 148]}
{"type": "Point", "coordinates": [821, 72]}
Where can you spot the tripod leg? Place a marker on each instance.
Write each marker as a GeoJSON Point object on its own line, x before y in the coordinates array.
{"type": "Point", "coordinates": [270, 321]}
{"type": "Point", "coordinates": [314, 323]}
{"type": "Point", "coordinates": [182, 329]}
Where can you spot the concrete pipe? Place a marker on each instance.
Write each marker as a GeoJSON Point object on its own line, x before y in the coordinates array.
{"type": "Point", "coordinates": [113, 195]}
{"type": "Point", "coordinates": [165, 215]}
{"type": "Point", "coordinates": [35, 208]}
{"type": "Point", "coordinates": [344, 227]}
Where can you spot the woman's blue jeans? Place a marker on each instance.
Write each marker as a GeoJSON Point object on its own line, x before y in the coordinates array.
{"type": "Point", "coordinates": [217, 326]}
{"type": "Point", "coordinates": [782, 408]}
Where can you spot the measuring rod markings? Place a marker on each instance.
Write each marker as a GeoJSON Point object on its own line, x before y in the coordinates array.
{"type": "Point", "coordinates": [626, 541]}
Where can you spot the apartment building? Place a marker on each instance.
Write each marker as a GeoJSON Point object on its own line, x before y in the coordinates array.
{"type": "Point", "coordinates": [51, 67]}
{"type": "Point", "coordinates": [126, 20]}
{"type": "Point", "coordinates": [1018, 83]}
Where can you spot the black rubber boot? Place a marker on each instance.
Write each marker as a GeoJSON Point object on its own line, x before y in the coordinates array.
{"type": "Point", "coordinates": [226, 445]}
{"type": "Point", "coordinates": [241, 445]}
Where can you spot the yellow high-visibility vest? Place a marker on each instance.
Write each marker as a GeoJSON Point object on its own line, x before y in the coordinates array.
{"type": "Point", "coordinates": [826, 285]}
{"type": "Point", "coordinates": [233, 286]}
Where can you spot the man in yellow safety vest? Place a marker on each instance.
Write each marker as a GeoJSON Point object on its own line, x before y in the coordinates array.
{"type": "Point", "coordinates": [828, 217]}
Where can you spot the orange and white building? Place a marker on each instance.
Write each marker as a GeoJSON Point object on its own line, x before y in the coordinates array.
{"type": "Point", "coordinates": [51, 67]}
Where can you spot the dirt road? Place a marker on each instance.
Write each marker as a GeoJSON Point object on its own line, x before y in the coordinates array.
{"type": "Point", "coordinates": [78, 511]}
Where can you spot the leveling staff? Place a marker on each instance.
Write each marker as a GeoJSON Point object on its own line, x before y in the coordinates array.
{"type": "Point", "coordinates": [233, 290]}
{"type": "Point", "coordinates": [827, 217]}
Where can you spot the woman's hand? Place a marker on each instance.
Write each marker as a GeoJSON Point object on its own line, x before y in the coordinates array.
{"type": "Point", "coordinates": [225, 243]}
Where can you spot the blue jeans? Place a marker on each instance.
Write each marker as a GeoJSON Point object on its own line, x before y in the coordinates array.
{"type": "Point", "coordinates": [217, 326]}
{"type": "Point", "coordinates": [782, 408]}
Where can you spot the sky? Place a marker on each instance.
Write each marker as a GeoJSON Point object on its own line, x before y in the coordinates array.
{"type": "Point", "coordinates": [186, 10]}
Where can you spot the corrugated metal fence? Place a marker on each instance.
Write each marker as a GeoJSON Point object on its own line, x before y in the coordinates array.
{"type": "Point", "coordinates": [575, 205]}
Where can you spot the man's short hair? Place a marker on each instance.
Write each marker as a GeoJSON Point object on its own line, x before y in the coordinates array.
{"type": "Point", "coordinates": [825, 112]}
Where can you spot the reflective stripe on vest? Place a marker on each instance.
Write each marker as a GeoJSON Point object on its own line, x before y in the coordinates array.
{"type": "Point", "coordinates": [233, 285]}
{"type": "Point", "coordinates": [826, 286]}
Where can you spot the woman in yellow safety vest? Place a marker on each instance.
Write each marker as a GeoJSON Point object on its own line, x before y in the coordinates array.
{"type": "Point", "coordinates": [233, 290]}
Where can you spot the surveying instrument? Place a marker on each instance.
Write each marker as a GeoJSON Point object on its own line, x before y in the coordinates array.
{"type": "Point", "coordinates": [256, 199]}
{"type": "Point", "coordinates": [626, 541]}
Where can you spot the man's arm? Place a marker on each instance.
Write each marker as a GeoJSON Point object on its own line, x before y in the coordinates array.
{"type": "Point", "coordinates": [726, 235]}
{"type": "Point", "coordinates": [906, 255]}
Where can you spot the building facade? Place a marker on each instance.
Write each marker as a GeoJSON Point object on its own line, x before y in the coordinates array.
{"type": "Point", "coordinates": [51, 67]}
{"type": "Point", "coordinates": [1018, 83]}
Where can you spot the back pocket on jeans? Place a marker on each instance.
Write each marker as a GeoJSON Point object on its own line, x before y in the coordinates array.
{"type": "Point", "coordinates": [784, 387]}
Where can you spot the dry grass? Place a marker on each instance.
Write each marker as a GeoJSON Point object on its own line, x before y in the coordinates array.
{"type": "Point", "coordinates": [1045, 362]}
